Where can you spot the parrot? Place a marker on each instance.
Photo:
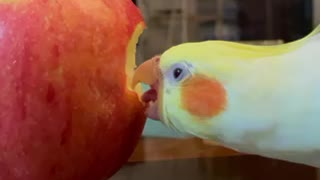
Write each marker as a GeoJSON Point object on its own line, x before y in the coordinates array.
{"type": "Point", "coordinates": [261, 100]}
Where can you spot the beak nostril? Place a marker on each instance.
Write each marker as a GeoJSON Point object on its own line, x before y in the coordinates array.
{"type": "Point", "coordinates": [157, 58]}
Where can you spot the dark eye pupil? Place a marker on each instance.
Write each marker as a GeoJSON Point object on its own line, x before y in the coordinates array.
{"type": "Point", "coordinates": [177, 72]}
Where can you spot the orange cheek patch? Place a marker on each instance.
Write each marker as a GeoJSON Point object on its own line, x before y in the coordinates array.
{"type": "Point", "coordinates": [203, 97]}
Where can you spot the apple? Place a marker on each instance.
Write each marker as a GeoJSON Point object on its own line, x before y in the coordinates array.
{"type": "Point", "coordinates": [66, 108]}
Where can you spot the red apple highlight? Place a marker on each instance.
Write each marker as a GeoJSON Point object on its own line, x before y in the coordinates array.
{"type": "Point", "coordinates": [66, 110]}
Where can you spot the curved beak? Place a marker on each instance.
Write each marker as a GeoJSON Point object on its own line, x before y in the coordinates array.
{"type": "Point", "coordinates": [147, 72]}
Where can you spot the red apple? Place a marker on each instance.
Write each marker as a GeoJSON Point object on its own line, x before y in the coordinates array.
{"type": "Point", "coordinates": [66, 109]}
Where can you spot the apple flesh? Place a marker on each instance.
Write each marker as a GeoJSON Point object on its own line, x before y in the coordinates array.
{"type": "Point", "coordinates": [66, 109]}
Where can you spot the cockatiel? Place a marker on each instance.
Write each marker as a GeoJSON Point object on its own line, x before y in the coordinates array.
{"type": "Point", "coordinates": [262, 100]}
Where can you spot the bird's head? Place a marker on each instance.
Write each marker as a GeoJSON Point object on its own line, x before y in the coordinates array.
{"type": "Point", "coordinates": [188, 91]}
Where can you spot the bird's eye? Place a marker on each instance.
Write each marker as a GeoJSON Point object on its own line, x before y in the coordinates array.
{"type": "Point", "coordinates": [177, 72]}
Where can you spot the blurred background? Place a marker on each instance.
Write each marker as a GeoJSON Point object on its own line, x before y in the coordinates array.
{"type": "Point", "coordinates": [171, 22]}
{"type": "Point", "coordinates": [164, 154]}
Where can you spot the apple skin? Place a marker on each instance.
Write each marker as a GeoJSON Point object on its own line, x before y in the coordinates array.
{"type": "Point", "coordinates": [66, 110]}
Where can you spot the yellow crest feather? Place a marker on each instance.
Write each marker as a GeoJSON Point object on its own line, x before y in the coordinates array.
{"type": "Point", "coordinates": [217, 49]}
